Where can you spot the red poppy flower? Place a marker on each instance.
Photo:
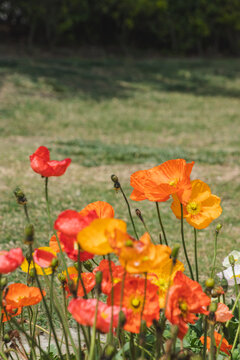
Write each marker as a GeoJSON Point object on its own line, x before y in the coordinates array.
{"type": "Point", "coordinates": [133, 299]}
{"type": "Point", "coordinates": [158, 183]}
{"type": "Point", "coordinates": [10, 312]}
{"type": "Point", "coordinates": [44, 258]}
{"type": "Point", "coordinates": [102, 208]}
{"type": "Point", "coordinates": [185, 299]}
{"type": "Point", "coordinates": [41, 163]}
{"type": "Point", "coordinates": [225, 346]}
{"type": "Point", "coordinates": [117, 273]}
{"type": "Point", "coordinates": [19, 295]}
{"type": "Point", "coordinates": [83, 312]}
{"type": "Point", "coordinates": [69, 223]}
{"type": "Point", "coordinates": [87, 278]}
{"type": "Point", "coordinates": [10, 260]}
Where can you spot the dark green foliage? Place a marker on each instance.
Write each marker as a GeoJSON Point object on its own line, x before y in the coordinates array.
{"type": "Point", "coordinates": [176, 26]}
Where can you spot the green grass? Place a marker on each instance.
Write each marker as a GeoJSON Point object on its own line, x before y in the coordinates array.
{"type": "Point", "coordinates": [118, 115]}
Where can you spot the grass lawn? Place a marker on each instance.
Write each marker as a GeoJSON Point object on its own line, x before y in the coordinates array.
{"type": "Point", "coordinates": [119, 115]}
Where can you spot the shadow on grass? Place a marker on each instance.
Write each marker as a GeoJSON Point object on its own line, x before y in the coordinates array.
{"type": "Point", "coordinates": [108, 78]}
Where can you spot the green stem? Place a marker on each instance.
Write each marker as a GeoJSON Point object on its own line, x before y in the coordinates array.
{"type": "Point", "coordinates": [236, 338]}
{"type": "Point", "coordinates": [92, 346]}
{"type": "Point", "coordinates": [205, 338]}
{"type": "Point", "coordinates": [215, 255]}
{"type": "Point", "coordinates": [212, 355]}
{"type": "Point", "coordinates": [129, 211]}
{"type": "Point", "coordinates": [111, 323]}
{"type": "Point", "coordinates": [26, 212]}
{"type": "Point", "coordinates": [51, 305]}
{"type": "Point", "coordinates": [161, 224]}
{"type": "Point", "coordinates": [184, 246]}
{"type": "Point", "coordinates": [195, 253]}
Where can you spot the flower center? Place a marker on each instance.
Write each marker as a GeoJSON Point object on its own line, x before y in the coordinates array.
{"type": "Point", "coordinates": [193, 208]}
{"type": "Point", "coordinates": [183, 307]}
{"type": "Point", "coordinates": [163, 284]}
{"type": "Point", "coordinates": [173, 182]}
{"type": "Point", "coordinates": [104, 315]}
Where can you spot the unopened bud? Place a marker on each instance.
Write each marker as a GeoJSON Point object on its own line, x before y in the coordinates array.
{"type": "Point", "coordinates": [88, 265]}
{"type": "Point", "coordinates": [224, 284]}
{"type": "Point", "coordinates": [139, 214]}
{"type": "Point", "coordinates": [217, 291]}
{"type": "Point", "coordinates": [114, 178]}
{"type": "Point", "coordinates": [116, 186]}
{"type": "Point", "coordinates": [210, 283]}
{"type": "Point", "coordinates": [54, 263]}
{"type": "Point", "coordinates": [175, 252]}
{"type": "Point", "coordinates": [29, 234]}
{"type": "Point", "coordinates": [20, 196]}
{"type": "Point", "coordinates": [32, 273]}
{"type": "Point", "coordinates": [3, 283]}
{"type": "Point", "coordinates": [6, 338]}
{"type": "Point", "coordinates": [218, 228]}
{"type": "Point", "coordinates": [62, 278]}
{"type": "Point", "coordinates": [213, 307]}
{"type": "Point", "coordinates": [108, 352]}
{"type": "Point", "coordinates": [231, 260]}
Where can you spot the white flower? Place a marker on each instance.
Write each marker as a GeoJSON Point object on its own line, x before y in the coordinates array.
{"type": "Point", "coordinates": [235, 254]}
{"type": "Point", "coordinates": [228, 274]}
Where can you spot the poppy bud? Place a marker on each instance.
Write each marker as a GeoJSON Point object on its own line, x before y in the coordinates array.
{"type": "Point", "coordinates": [213, 307]}
{"type": "Point", "coordinates": [139, 214]}
{"type": "Point", "coordinates": [20, 196]}
{"type": "Point", "coordinates": [218, 228]}
{"type": "Point", "coordinates": [54, 263]}
{"type": "Point", "coordinates": [210, 283]}
{"type": "Point", "coordinates": [224, 284]}
{"type": "Point", "coordinates": [231, 260]}
{"type": "Point", "coordinates": [98, 279]}
{"type": "Point", "coordinates": [32, 273]}
{"type": "Point", "coordinates": [116, 186]}
{"type": "Point", "coordinates": [62, 278]}
{"type": "Point", "coordinates": [28, 234]}
{"type": "Point", "coordinates": [114, 178]}
{"type": "Point", "coordinates": [175, 252]}
{"type": "Point", "coordinates": [88, 265]}
{"type": "Point", "coordinates": [3, 283]}
{"type": "Point", "coordinates": [6, 338]}
{"type": "Point", "coordinates": [108, 352]}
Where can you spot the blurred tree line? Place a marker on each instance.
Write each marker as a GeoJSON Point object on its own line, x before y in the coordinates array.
{"type": "Point", "coordinates": [170, 26]}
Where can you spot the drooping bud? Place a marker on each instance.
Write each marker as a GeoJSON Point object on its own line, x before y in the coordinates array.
{"type": "Point", "coordinates": [20, 196]}
{"type": "Point", "coordinates": [108, 352]}
{"type": "Point", "coordinates": [98, 279]}
{"type": "Point", "coordinates": [114, 178]}
{"type": "Point", "coordinates": [175, 252]}
{"type": "Point", "coordinates": [32, 273]}
{"type": "Point", "coordinates": [6, 338]}
{"type": "Point", "coordinates": [29, 234]}
{"type": "Point", "coordinates": [88, 265]}
{"type": "Point", "coordinates": [116, 186]}
{"type": "Point", "coordinates": [139, 214]}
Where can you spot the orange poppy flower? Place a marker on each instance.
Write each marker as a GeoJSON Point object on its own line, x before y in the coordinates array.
{"type": "Point", "coordinates": [223, 313]}
{"type": "Point", "coordinates": [83, 312]}
{"type": "Point", "coordinates": [117, 273]}
{"type": "Point", "coordinates": [87, 278]}
{"type": "Point", "coordinates": [10, 312]}
{"type": "Point", "coordinates": [202, 207]}
{"type": "Point", "coordinates": [95, 237]}
{"type": "Point", "coordinates": [133, 299]}
{"type": "Point", "coordinates": [53, 244]}
{"type": "Point", "coordinates": [102, 209]}
{"type": "Point", "coordinates": [19, 295]}
{"type": "Point", "coordinates": [225, 346]}
{"type": "Point", "coordinates": [162, 277]}
{"type": "Point", "coordinates": [185, 299]}
{"type": "Point", "coordinates": [158, 183]}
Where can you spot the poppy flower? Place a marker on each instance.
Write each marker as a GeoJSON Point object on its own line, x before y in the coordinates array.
{"type": "Point", "coordinates": [26, 267]}
{"type": "Point", "coordinates": [87, 278]}
{"type": "Point", "coordinates": [158, 183]}
{"type": "Point", "coordinates": [117, 274]}
{"type": "Point", "coordinates": [95, 237]}
{"type": "Point", "coordinates": [223, 313]}
{"type": "Point", "coordinates": [133, 299]}
{"type": "Point", "coordinates": [102, 209]}
{"type": "Point", "coordinates": [10, 260]}
{"type": "Point", "coordinates": [185, 299]}
{"type": "Point", "coordinates": [225, 346]}
{"type": "Point", "coordinates": [68, 224]}
{"type": "Point", "coordinates": [83, 311]}
{"type": "Point", "coordinates": [41, 163]}
{"type": "Point", "coordinates": [163, 277]}
{"type": "Point", "coordinates": [19, 295]}
{"type": "Point", "coordinates": [229, 275]}
{"type": "Point", "coordinates": [202, 207]}
{"type": "Point", "coordinates": [43, 258]}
